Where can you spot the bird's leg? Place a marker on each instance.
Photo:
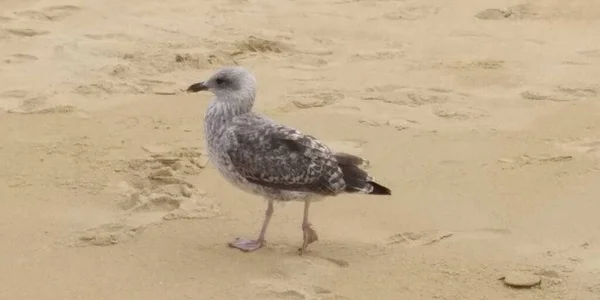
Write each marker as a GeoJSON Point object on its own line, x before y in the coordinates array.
{"type": "Point", "coordinates": [310, 235]}
{"type": "Point", "coordinates": [248, 245]}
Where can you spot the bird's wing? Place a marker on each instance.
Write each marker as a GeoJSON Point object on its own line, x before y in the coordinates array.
{"type": "Point", "coordinates": [281, 157]}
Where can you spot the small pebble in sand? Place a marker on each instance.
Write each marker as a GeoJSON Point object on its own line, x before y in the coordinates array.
{"type": "Point", "coordinates": [521, 279]}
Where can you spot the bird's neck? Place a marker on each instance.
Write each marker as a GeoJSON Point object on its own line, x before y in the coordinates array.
{"type": "Point", "coordinates": [220, 113]}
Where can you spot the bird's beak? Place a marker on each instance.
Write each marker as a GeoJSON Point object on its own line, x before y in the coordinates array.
{"type": "Point", "coordinates": [197, 87]}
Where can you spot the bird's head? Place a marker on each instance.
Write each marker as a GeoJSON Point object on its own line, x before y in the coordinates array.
{"type": "Point", "coordinates": [229, 84]}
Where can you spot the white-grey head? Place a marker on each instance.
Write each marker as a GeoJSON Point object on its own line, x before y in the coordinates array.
{"type": "Point", "coordinates": [234, 85]}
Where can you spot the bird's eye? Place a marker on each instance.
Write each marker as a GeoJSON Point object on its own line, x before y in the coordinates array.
{"type": "Point", "coordinates": [220, 81]}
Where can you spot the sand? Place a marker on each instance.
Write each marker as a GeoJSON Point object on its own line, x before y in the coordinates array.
{"type": "Point", "coordinates": [481, 116]}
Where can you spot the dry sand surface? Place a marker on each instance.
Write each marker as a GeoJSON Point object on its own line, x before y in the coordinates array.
{"type": "Point", "coordinates": [482, 116]}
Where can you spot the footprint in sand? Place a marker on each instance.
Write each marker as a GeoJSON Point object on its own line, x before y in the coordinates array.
{"type": "Point", "coordinates": [524, 160]}
{"type": "Point", "coordinates": [25, 103]}
{"type": "Point", "coordinates": [159, 87]}
{"type": "Point", "coordinates": [307, 99]}
{"type": "Point", "coordinates": [308, 63]}
{"type": "Point", "coordinates": [254, 44]}
{"type": "Point", "coordinates": [107, 87]}
{"type": "Point", "coordinates": [19, 58]}
{"type": "Point", "coordinates": [411, 13]}
{"type": "Point", "coordinates": [276, 289]}
{"type": "Point", "coordinates": [18, 94]}
{"type": "Point", "coordinates": [486, 64]}
{"type": "Point", "coordinates": [148, 68]}
{"type": "Point", "coordinates": [417, 239]}
{"type": "Point", "coordinates": [379, 55]}
{"type": "Point", "coordinates": [393, 122]}
{"type": "Point", "coordinates": [201, 61]}
{"type": "Point", "coordinates": [25, 32]}
{"type": "Point", "coordinates": [426, 238]}
{"type": "Point", "coordinates": [303, 60]}
{"type": "Point", "coordinates": [11, 99]}
{"type": "Point", "coordinates": [584, 145]}
{"type": "Point", "coordinates": [561, 94]}
{"type": "Point", "coordinates": [121, 37]}
{"type": "Point", "coordinates": [304, 275]}
{"type": "Point", "coordinates": [458, 112]}
{"type": "Point", "coordinates": [590, 53]}
{"type": "Point", "coordinates": [517, 12]}
{"type": "Point", "coordinates": [410, 96]}
{"type": "Point", "coordinates": [51, 13]}
{"type": "Point", "coordinates": [155, 191]}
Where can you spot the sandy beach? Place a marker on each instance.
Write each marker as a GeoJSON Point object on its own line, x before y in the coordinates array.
{"type": "Point", "coordinates": [481, 116]}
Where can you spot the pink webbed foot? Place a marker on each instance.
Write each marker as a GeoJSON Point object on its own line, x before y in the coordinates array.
{"type": "Point", "coordinates": [246, 245]}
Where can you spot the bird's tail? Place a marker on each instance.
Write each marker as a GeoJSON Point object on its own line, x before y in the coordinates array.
{"type": "Point", "coordinates": [357, 180]}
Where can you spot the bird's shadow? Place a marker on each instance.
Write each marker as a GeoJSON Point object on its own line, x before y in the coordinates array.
{"type": "Point", "coordinates": [336, 253]}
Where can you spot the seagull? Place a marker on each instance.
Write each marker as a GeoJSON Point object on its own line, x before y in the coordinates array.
{"type": "Point", "coordinates": [274, 161]}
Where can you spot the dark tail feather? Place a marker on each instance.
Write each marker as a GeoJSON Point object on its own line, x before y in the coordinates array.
{"type": "Point", "coordinates": [379, 189]}
{"type": "Point", "coordinates": [357, 180]}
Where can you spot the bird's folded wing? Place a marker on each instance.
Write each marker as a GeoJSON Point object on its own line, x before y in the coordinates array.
{"type": "Point", "coordinates": [280, 157]}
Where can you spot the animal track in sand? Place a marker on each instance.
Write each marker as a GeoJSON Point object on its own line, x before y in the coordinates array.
{"type": "Point", "coordinates": [58, 109]}
{"type": "Point", "coordinates": [583, 145]}
{"type": "Point", "coordinates": [280, 289]}
{"type": "Point", "coordinates": [394, 122]}
{"type": "Point", "coordinates": [260, 45]}
{"type": "Point", "coordinates": [189, 161]}
{"type": "Point", "coordinates": [109, 36]}
{"type": "Point", "coordinates": [108, 234]}
{"type": "Point", "coordinates": [12, 99]}
{"type": "Point", "coordinates": [562, 94]}
{"type": "Point", "coordinates": [476, 72]}
{"type": "Point", "coordinates": [18, 94]}
{"type": "Point", "coordinates": [517, 12]}
{"type": "Point", "coordinates": [303, 60]}
{"type": "Point", "coordinates": [523, 160]}
{"type": "Point", "coordinates": [144, 65]}
{"type": "Point", "coordinates": [574, 63]}
{"type": "Point", "coordinates": [18, 58]}
{"type": "Point", "coordinates": [417, 239]}
{"type": "Point", "coordinates": [26, 103]}
{"type": "Point", "coordinates": [411, 13]}
{"type": "Point", "coordinates": [581, 92]}
{"type": "Point", "coordinates": [493, 14]}
{"type": "Point", "coordinates": [203, 61]}
{"type": "Point", "coordinates": [308, 63]}
{"type": "Point", "coordinates": [459, 112]}
{"type": "Point", "coordinates": [155, 192]}
{"type": "Point", "coordinates": [303, 277]}
{"type": "Point", "coordinates": [139, 71]}
{"type": "Point", "coordinates": [430, 237]}
{"type": "Point", "coordinates": [166, 62]}
{"type": "Point", "coordinates": [382, 54]}
{"type": "Point", "coordinates": [51, 13]}
{"type": "Point", "coordinates": [106, 87]}
{"type": "Point", "coordinates": [25, 32]}
{"type": "Point", "coordinates": [414, 97]}
{"type": "Point", "coordinates": [309, 98]}
{"type": "Point", "coordinates": [488, 64]}
{"type": "Point", "coordinates": [590, 53]}
{"type": "Point", "coordinates": [159, 87]}
{"type": "Point", "coordinates": [554, 11]}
